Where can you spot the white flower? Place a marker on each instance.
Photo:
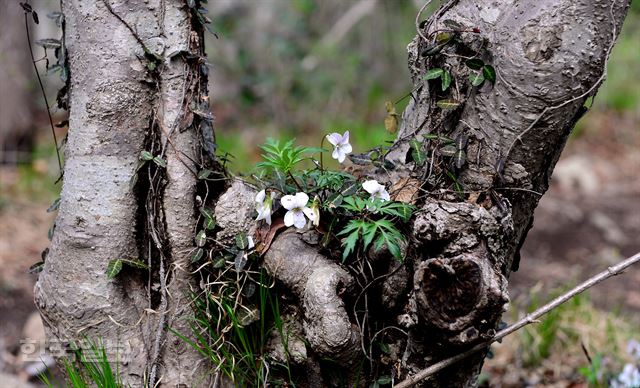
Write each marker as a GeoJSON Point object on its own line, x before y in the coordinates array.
{"type": "Point", "coordinates": [633, 348]}
{"type": "Point", "coordinates": [341, 146]}
{"type": "Point", "coordinates": [264, 205]}
{"type": "Point", "coordinates": [629, 378]}
{"type": "Point", "coordinates": [297, 209]}
{"type": "Point", "coordinates": [376, 190]}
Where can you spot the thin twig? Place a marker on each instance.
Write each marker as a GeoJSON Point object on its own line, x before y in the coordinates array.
{"type": "Point", "coordinates": [44, 95]}
{"type": "Point", "coordinates": [418, 19]}
{"type": "Point", "coordinates": [530, 318]}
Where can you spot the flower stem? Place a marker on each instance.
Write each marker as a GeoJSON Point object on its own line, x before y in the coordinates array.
{"type": "Point", "coordinates": [322, 153]}
{"type": "Point", "coordinates": [295, 181]}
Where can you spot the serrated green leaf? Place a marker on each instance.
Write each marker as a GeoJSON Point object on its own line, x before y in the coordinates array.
{"type": "Point", "coordinates": [146, 155]}
{"type": "Point", "coordinates": [476, 78]}
{"type": "Point", "coordinates": [447, 104]}
{"type": "Point", "coordinates": [201, 238]}
{"type": "Point", "coordinates": [475, 63]}
{"type": "Point", "coordinates": [433, 73]}
{"type": "Point", "coordinates": [54, 206]}
{"type": "Point", "coordinates": [349, 245]}
{"type": "Point", "coordinates": [489, 73]}
{"type": "Point", "coordinates": [160, 162]}
{"type": "Point", "coordinates": [197, 255]}
{"type": "Point", "coordinates": [368, 233]}
{"type": "Point", "coordinates": [113, 268]}
{"type": "Point", "coordinates": [446, 80]}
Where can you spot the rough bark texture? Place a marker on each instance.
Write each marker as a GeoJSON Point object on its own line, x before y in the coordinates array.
{"type": "Point", "coordinates": [451, 289]}
{"type": "Point", "coordinates": [114, 97]}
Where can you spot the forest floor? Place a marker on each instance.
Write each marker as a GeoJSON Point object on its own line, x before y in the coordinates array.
{"type": "Point", "coordinates": [588, 220]}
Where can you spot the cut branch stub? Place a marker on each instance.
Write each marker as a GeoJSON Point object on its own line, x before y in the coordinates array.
{"type": "Point", "coordinates": [455, 295]}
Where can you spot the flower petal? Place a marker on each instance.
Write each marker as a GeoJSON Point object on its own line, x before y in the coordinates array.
{"type": "Point", "coordinates": [345, 138]}
{"type": "Point", "coordinates": [341, 155]}
{"type": "Point", "coordinates": [309, 213]}
{"type": "Point", "coordinates": [260, 196]}
{"type": "Point", "coordinates": [346, 148]}
{"type": "Point", "coordinates": [384, 195]}
{"type": "Point", "coordinates": [267, 218]}
{"type": "Point", "coordinates": [301, 200]}
{"type": "Point", "coordinates": [334, 138]}
{"type": "Point", "coordinates": [288, 202]}
{"type": "Point", "coordinates": [336, 153]}
{"type": "Point", "coordinates": [288, 218]}
{"type": "Point", "coordinates": [371, 186]}
{"type": "Point", "coordinates": [299, 221]}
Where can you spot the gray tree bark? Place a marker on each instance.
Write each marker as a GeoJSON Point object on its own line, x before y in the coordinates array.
{"type": "Point", "coordinates": [451, 290]}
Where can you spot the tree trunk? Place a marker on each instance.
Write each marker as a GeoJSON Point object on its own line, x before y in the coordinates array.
{"type": "Point", "coordinates": [135, 85]}
{"type": "Point", "coordinates": [130, 83]}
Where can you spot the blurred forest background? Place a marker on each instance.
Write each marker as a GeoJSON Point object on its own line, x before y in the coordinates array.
{"type": "Point", "coordinates": [302, 68]}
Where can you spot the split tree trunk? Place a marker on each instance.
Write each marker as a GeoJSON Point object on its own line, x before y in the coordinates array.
{"type": "Point", "coordinates": [452, 288]}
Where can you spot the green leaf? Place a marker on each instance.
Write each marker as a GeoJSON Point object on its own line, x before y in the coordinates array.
{"type": "Point", "coordinates": [37, 267]}
{"type": "Point", "coordinates": [475, 63]}
{"type": "Point", "coordinates": [113, 268]}
{"type": "Point", "coordinates": [418, 155]}
{"type": "Point", "coordinates": [201, 238]}
{"type": "Point", "coordinates": [134, 263]}
{"type": "Point", "coordinates": [433, 73]}
{"type": "Point", "coordinates": [197, 255]}
{"type": "Point", "coordinates": [489, 73]}
{"type": "Point", "coordinates": [219, 263]}
{"type": "Point", "coordinates": [446, 80]}
{"type": "Point", "coordinates": [448, 150]}
{"type": "Point", "coordinates": [204, 174]}
{"type": "Point", "coordinates": [384, 380]}
{"type": "Point", "coordinates": [476, 78]}
{"type": "Point", "coordinates": [447, 104]}
{"type": "Point", "coordinates": [160, 162]}
{"type": "Point", "coordinates": [54, 206]}
{"type": "Point", "coordinates": [209, 223]}
{"type": "Point", "coordinates": [242, 241]}
{"type": "Point", "coordinates": [146, 155]}
{"type": "Point", "coordinates": [349, 245]}
{"type": "Point", "coordinates": [368, 233]}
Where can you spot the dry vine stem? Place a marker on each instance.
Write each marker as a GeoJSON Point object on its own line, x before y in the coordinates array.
{"type": "Point", "coordinates": [530, 318]}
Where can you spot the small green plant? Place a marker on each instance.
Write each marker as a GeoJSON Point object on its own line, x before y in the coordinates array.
{"type": "Point", "coordinates": [340, 201]}
{"type": "Point", "coordinates": [91, 368]}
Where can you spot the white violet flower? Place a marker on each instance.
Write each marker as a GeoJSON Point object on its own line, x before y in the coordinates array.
{"type": "Point", "coordinates": [297, 210]}
{"type": "Point", "coordinates": [629, 377]}
{"type": "Point", "coordinates": [341, 146]}
{"type": "Point", "coordinates": [264, 205]}
{"type": "Point", "coordinates": [376, 190]}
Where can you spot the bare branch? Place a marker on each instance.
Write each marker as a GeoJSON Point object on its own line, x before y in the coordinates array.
{"type": "Point", "coordinates": [530, 318]}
